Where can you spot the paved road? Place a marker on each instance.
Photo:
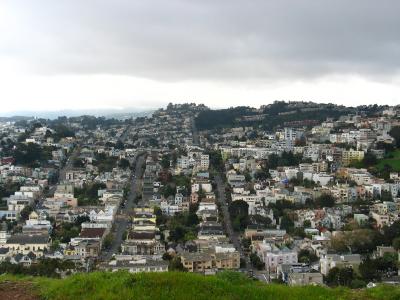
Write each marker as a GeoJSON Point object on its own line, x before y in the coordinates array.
{"type": "Point", "coordinates": [68, 166]}
{"type": "Point", "coordinates": [122, 220]}
{"type": "Point", "coordinates": [70, 162]}
{"type": "Point", "coordinates": [195, 134]}
{"type": "Point", "coordinates": [125, 134]}
{"type": "Point", "coordinates": [233, 236]}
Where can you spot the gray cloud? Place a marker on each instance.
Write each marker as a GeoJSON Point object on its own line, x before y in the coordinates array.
{"type": "Point", "coordinates": [183, 39]}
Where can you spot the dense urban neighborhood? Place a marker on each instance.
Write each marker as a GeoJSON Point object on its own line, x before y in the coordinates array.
{"type": "Point", "coordinates": [294, 193]}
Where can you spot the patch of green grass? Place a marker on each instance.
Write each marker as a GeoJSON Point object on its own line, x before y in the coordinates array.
{"type": "Point", "coordinates": [394, 161]}
{"type": "Point", "coordinates": [186, 286]}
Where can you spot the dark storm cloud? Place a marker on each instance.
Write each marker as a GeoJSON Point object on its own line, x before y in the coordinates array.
{"type": "Point", "coordinates": [178, 40]}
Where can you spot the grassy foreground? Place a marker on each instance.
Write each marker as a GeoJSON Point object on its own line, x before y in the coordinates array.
{"type": "Point", "coordinates": [122, 285]}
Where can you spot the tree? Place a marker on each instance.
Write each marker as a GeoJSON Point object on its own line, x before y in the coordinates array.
{"type": "Point", "coordinates": [168, 190]}
{"type": "Point", "coordinates": [339, 244]}
{"type": "Point", "coordinates": [82, 219]}
{"type": "Point", "coordinates": [368, 270]}
{"type": "Point", "coordinates": [124, 163]}
{"type": "Point", "coordinates": [62, 131]}
{"type": "Point", "coordinates": [239, 212]}
{"type": "Point", "coordinates": [395, 133]}
{"type": "Point", "coordinates": [286, 159]}
{"type": "Point", "coordinates": [307, 224]}
{"type": "Point", "coordinates": [175, 264]}
{"type": "Point", "coordinates": [391, 232]}
{"type": "Point", "coordinates": [305, 256]}
{"type": "Point", "coordinates": [216, 160]}
{"type": "Point", "coordinates": [358, 284]}
{"type": "Point", "coordinates": [55, 245]}
{"type": "Point", "coordinates": [239, 207]}
{"type": "Point", "coordinates": [43, 267]}
{"type": "Point", "coordinates": [119, 145]}
{"type": "Point", "coordinates": [340, 276]}
{"type": "Point", "coordinates": [247, 177]}
{"type": "Point", "coordinates": [261, 220]}
{"type": "Point", "coordinates": [65, 231]}
{"type": "Point", "coordinates": [88, 194]}
{"type": "Point", "coordinates": [369, 159]}
{"type": "Point", "coordinates": [166, 256]}
{"type": "Point", "coordinates": [262, 174]}
{"type": "Point", "coordinates": [384, 146]}
{"type": "Point", "coordinates": [160, 218]}
{"type": "Point", "coordinates": [25, 212]}
{"type": "Point", "coordinates": [286, 223]}
{"type": "Point", "coordinates": [107, 243]}
{"type": "Point", "coordinates": [165, 162]}
{"type": "Point", "coordinates": [78, 163]}
{"type": "Point", "coordinates": [374, 269]}
{"type": "Point", "coordinates": [396, 243]}
{"type": "Point", "coordinates": [177, 234]}
{"type": "Point", "coordinates": [30, 154]}
{"type": "Point", "coordinates": [357, 241]}
{"type": "Point", "coordinates": [256, 261]}
{"type": "Point", "coordinates": [153, 142]}
{"type": "Point", "coordinates": [246, 243]}
{"type": "Point", "coordinates": [325, 200]}
{"type": "Point", "coordinates": [386, 196]}
{"type": "Point", "coordinates": [105, 163]}
{"type": "Point", "coordinates": [190, 236]}
{"type": "Point", "coordinates": [192, 219]}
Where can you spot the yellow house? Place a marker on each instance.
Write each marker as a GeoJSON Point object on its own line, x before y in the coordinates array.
{"type": "Point", "coordinates": [70, 252]}
{"type": "Point", "coordinates": [203, 262]}
{"type": "Point", "coordinates": [25, 243]}
{"type": "Point", "coordinates": [351, 155]}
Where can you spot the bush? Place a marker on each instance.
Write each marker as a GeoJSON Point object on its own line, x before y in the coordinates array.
{"type": "Point", "coordinates": [256, 261]}
{"type": "Point", "coordinates": [358, 284]}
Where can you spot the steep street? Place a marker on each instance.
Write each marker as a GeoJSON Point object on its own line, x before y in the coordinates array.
{"type": "Point", "coordinates": [68, 166]}
{"type": "Point", "coordinates": [196, 140]}
{"type": "Point", "coordinates": [233, 236]}
{"type": "Point", "coordinates": [122, 219]}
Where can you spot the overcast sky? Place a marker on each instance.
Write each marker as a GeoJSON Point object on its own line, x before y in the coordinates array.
{"type": "Point", "coordinates": [72, 54]}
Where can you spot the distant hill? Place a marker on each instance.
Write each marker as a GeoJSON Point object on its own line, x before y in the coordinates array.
{"type": "Point", "coordinates": [108, 113]}
{"type": "Point", "coordinates": [279, 113]}
{"type": "Point", "coordinates": [176, 286]}
{"type": "Point", "coordinates": [15, 118]}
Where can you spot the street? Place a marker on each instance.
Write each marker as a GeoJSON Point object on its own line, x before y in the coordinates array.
{"type": "Point", "coordinates": [68, 166]}
{"type": "Point", "coordinates": [196, 140]}
{"type": "Point", "coordinates": [122, 219]}
{"type": "Point", "coordinates": [233, 236]}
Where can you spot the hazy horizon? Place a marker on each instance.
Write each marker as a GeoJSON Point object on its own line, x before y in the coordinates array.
{"type": "Point", "coordinates": [53, 114]}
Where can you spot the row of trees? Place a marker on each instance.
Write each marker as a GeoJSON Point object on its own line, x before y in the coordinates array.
{"type": "Point", "coordinates": [31, 154]}
{"type": "Point", "coordinates": [365, 240]}
{"type": "Point", "coordinates": [233, 117]}
{"type": "Point", "coordinates": [88, 194]}
{"type": "Point", "coordinates": [62, 233]}
{"type": "Point", "coordinates": [238, 211]}
{"type": "Point", "coordinates": [104, 162]}
{"type": "Point", "coordinates": [46, 267]}
{"type": "Point", "coordinates": [182, 226]}
{"type": "Point", "coordinates": [369, 270]}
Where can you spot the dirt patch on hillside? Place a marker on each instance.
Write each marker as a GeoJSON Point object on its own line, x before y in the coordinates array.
{"type": "Point", "coordinates": [17, 290]}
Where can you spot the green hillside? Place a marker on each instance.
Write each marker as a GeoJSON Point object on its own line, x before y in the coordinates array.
{"type": "Point", "coordinates": [122, 285]}
{"type": "Point", "coordinates": [393, 161]}
{"type": "Point", "coordinates": [277, 114]}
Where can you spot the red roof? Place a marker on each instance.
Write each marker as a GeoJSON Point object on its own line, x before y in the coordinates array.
{"type": "Point", "coordinates": [92, 232]}
{"type": "Point", "coordinates": [7, 160]}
